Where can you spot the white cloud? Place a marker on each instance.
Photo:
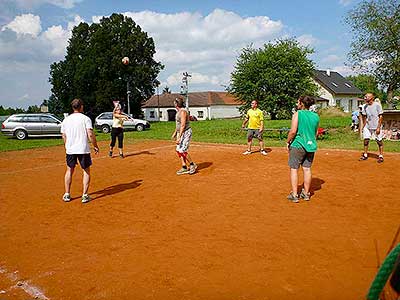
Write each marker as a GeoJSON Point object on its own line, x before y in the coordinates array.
{"type": "Point", "coordinates": [345, 2]}
{"type": "Point", "coordinates": [26, 53]}
{"type": "Point", "coordinates": [344, 70]}
{"type": "Point", "coordinates": [219, 29]}
{"type": "Point", "coordinates": [307, 40]}
{"type": "Point", "coordinates": [331, 58]}
{"type": "Point", "coordinates": [204, 45]}
{"type": "Point", "coordinates": [196, 78]}
{"type": "Point", "coordinates": [28, 4]}
{"type": "Point", "coordinates": [25, 24]}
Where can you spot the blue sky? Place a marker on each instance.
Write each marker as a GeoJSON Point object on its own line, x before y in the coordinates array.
{"type": "Point", "coordinates": [199, 37]}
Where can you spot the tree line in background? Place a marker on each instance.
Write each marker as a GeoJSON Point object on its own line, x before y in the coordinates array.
{"type": "Point", "coordinates": [9, 111]}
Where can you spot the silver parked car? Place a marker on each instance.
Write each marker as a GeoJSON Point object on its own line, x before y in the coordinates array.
{"type": "Point", "coordinates": [104, 123]}
{"type": "Point", "coordinates": [23, 125]}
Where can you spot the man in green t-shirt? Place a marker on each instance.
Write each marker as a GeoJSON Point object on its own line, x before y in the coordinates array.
{"type": "Point", "coordinates": [302, 144]}
{"type": "Point", "coordinates": [255, 129]}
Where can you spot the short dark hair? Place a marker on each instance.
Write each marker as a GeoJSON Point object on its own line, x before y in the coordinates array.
{"type": "Point", "coordinates": [307, 101]}
{"type": "Point", "coordinates": [179, 102]}
{"type": "Point", "coordinates": [76, 104]}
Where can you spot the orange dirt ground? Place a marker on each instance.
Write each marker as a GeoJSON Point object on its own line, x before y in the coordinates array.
{"type": "Point", "coordinates": [224, 233]}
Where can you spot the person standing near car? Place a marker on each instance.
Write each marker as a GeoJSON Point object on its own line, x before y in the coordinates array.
{"type": "Point", "coordinates": [117, 131]}
{"type": "Point", "coordinates": [77, 131]}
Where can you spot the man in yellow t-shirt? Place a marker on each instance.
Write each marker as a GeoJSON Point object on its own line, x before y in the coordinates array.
{"type": "Point", "coordinates": [255, 117]}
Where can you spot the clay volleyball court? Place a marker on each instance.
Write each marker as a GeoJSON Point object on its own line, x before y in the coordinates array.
{"type": "Point", "coordinates": [224, 233]}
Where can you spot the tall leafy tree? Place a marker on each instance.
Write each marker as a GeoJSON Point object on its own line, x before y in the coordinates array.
{"type": "Point", "coordinates": [376, 41]}
{"type": "Point", "coordinates": [367, 84]}
{"type": "Point", "coordinates": [93, 70]}
{"type": "Point", "coordinates": [275, 75]}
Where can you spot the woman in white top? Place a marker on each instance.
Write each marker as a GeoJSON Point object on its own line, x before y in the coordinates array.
{"type": "Point", "coordinates": [117, 131]}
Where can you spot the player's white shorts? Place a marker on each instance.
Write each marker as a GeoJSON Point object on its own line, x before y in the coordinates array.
{"type": "Point", "coordinates": [183, 146]}
{"type": "Point", "coordinates": [371, 134]}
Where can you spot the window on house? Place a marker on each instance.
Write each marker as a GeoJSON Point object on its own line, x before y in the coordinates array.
{"type": "Point", "coordinates": [334, 84]}
{"type": "Point", "coordinates": [160, 114]}
{"type": "Point", "coordinates": [350, 108]}
{"type": "Point", "coordinates": [200, 114]}
{"type": "Point", "coordinates": [338, 103]}
{"type": "Point", "coordinates": [348, 85]}
{"type": "Point", "coordinates": [152, 114]}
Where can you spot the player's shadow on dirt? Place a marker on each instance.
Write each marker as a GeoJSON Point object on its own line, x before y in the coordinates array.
{"type": "Point", "coordinates": [316, 184]}
{"type": "Point", "coordinates": [115, 189]}
{"type": "Point", "coordinates": [204, 165]}
{"type": "Point", "coordinates": [373, 155]}
{"type": "Point", "coordinates": [268, 150]}
{"type": "Point", "coordinates": [139, 153]}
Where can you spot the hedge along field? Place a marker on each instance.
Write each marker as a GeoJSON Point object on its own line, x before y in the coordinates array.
{"type": "Point", "coordinates": [224, 131]}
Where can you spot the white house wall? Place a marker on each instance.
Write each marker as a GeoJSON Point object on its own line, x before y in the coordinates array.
{"type": "Point", "coordinates": [224, 111]}
{"type": "Point", "coordinates": [201, 113]}
{"type": "Point", "coordinates": [324, 93]}
{"type": "Point", "coordinates": [349, 103]}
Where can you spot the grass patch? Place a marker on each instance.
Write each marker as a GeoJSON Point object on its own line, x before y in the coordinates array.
{"type": "Point", "coordinates": [225, 132]}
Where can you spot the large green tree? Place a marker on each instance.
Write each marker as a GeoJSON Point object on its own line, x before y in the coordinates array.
{"type": "Point", "coordinates": [93, 70]}
{"type": "Point", "coordinates": [376, 41]}
{"type": "Point", "coordinates": [367, 84]}
{"type": "Point", "coordinates": [275, 75]}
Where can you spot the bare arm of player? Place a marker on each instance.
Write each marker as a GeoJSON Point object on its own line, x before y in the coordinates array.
{"type": "Point", "coordinates": [92, 138]}
{"type": "Point", "coordinates": [246, 119]}
{"type": "Point", "coordinates": [119, 116]}
{"type": "Point", "coordinates": [364, 121]}
{"type": "Point", "coordinates": [261, 126]}
{"type": "Point", "coordinates": [64, 138]}
{"type": "Point", "coordinates": [378, 129]}
{"type": "Point", "coordinates": [173, 136]}
{"type": "Point", "coordinates": [316, 132]}
{"type": "Point", "coordinates": [293, 130]}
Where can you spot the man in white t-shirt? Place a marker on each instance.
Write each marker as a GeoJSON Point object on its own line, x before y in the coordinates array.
{"type": "Point", "coordinates": [76, 131]}
{"type": "Point", "coordinates": [372, 120]}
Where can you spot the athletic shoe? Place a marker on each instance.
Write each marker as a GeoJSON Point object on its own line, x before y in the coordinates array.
{"type": "Point", "coordinates": [304, 195]}
{"type": "Point", "coordinates": [121, 155]}
{"type": "Point", "coordinates": [182, 171]}
{"type": "Point", "coordinates": [192, 169]}
{"type": "Point", "coordinates": [86, 198]}
{"type": "Point", "coordinates": [110, 154]}
{"type": "Point", "coordinates": [66, 197]}
{"type": "Point", "coordinates": [247, 152]}
{"type": "Point", "coordinates": [363, 157]}
{"type": "Point", "coordinates": [380, 159]}
{"type": "Point", "coordinates": [263, 152]}
{"type": "Point", "coordinates": [293, 198]}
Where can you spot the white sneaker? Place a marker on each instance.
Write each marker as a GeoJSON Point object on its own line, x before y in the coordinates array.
{"type": "Point", "coordinates": [192, 169]}
{"type": "Point", "coordinates": [247, 152]}
{"type": "Point", "coordinates": [67, 197]}
{"type": "Point", "coordinates": [263, 152]}
{"type": "Point", "coordinates": [86, 198]}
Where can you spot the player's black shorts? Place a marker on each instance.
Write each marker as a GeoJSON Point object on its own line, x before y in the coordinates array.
{"type": "Point", "coordinates": [84, 160]}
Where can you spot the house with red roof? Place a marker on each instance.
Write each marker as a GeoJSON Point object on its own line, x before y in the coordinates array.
{"type": "Point", "coordinates": [202, 105]}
